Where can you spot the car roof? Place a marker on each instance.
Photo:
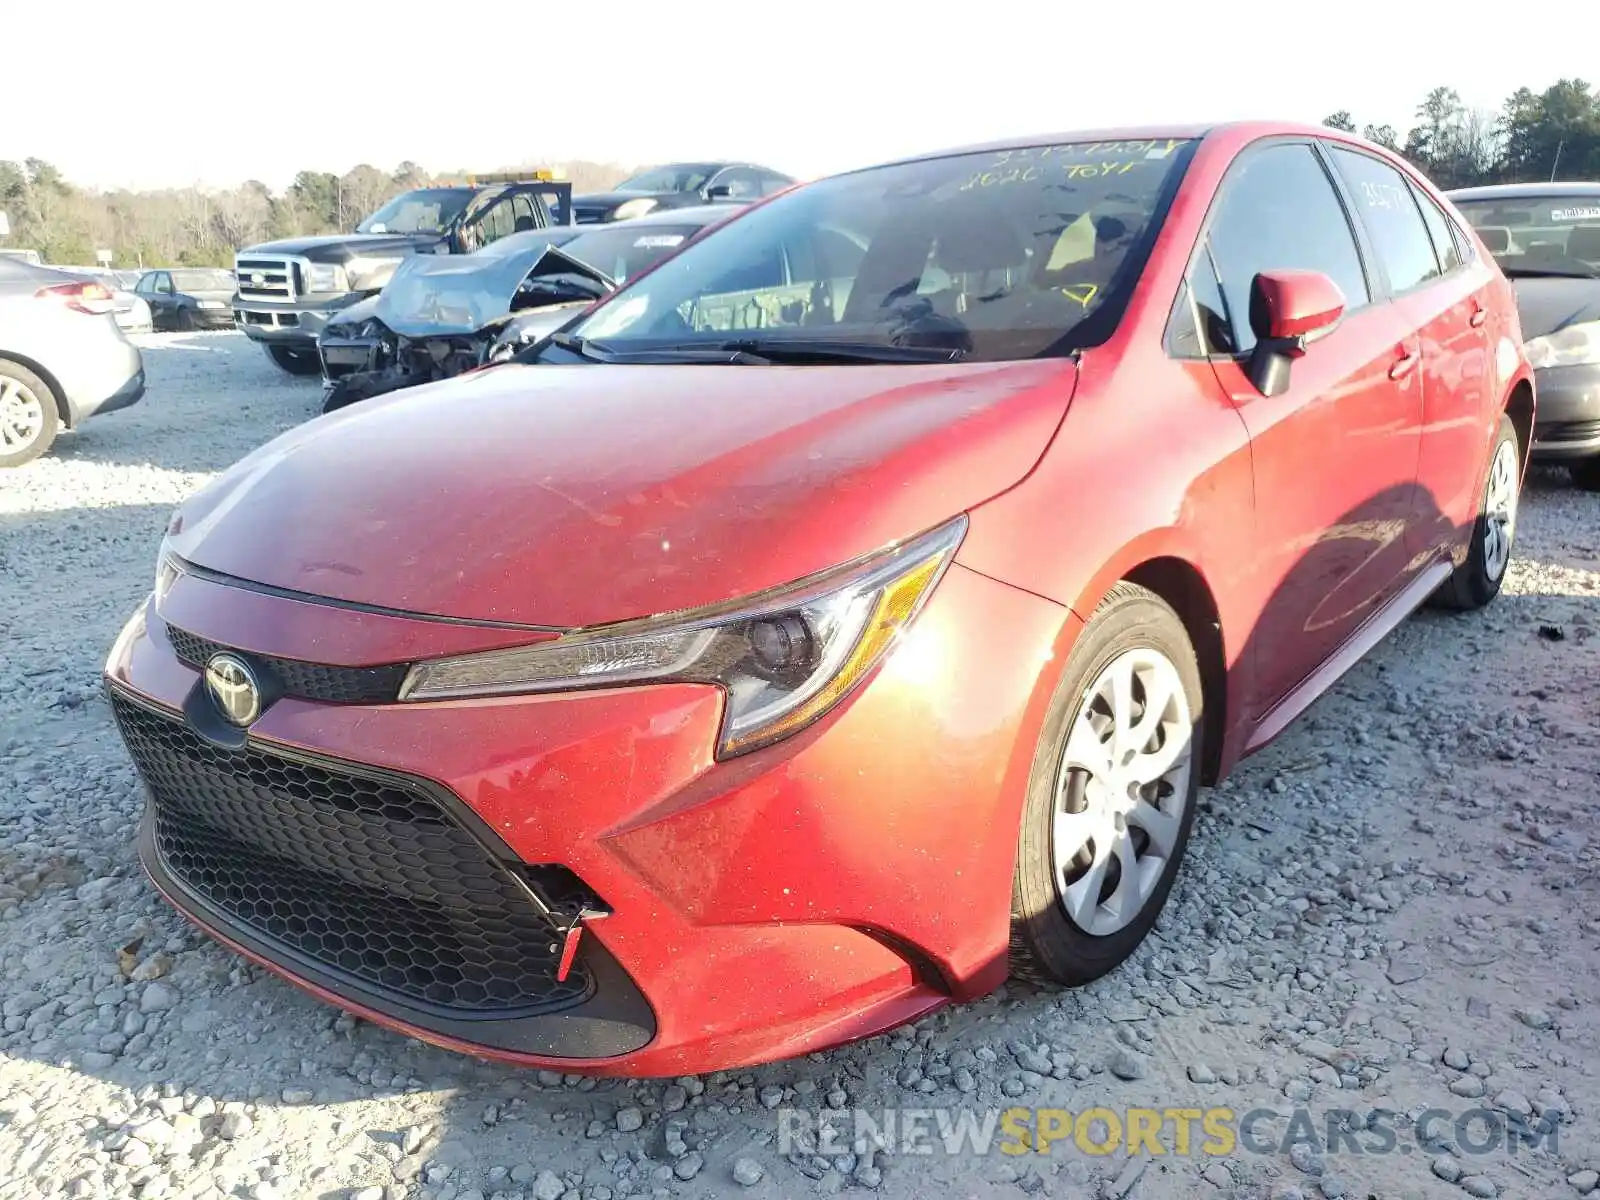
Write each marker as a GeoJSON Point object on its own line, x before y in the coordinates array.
{"type": "Point", "coordinates": [1524, 191]}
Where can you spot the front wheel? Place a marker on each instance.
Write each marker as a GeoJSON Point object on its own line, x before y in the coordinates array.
{"type": "Point", "coordinates": [1112, 795]}
{"type": "Point", "coordinates": [296, 362]}
{"type": "Point", "coordinates": [184, 322]}
{"type": "Point", "coordinates": [1477, 580]}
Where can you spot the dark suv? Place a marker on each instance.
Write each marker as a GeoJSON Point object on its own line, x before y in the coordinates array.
{"type": "Point", "coordinates": [289, 290]}
{"type": "Point", "coordinates": [1546, 238]}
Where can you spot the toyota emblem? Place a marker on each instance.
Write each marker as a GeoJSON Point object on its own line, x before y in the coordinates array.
{"type": "Point", "coordinates": [233, 687]}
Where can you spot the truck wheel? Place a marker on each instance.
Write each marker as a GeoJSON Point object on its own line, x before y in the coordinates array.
{"type": "Point", "coordinates": [28, 419]}
{"type": "Point", "coordinates": [296, 362]}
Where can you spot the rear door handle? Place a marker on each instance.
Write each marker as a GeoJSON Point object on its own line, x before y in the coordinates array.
{"type": "Point", "coordinates": [1405, 366]}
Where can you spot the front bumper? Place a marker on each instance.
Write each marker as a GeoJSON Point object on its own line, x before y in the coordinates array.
{"type": "Point", "coordinates": [345, 356]}
{"type": "Point", "coordinates": [1568, 422]}
{"type": "Point", "coordinates": [213, 318]}
{"type": "Point", "coordinates": [827, 888]}
{"type": "Point", "coordinates": [295, 325]}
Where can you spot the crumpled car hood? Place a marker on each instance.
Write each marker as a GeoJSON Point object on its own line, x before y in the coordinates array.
{"type": "Point", "coordinates": [439, 296]}
{"type": "Point", "coordinates": [578, 495]}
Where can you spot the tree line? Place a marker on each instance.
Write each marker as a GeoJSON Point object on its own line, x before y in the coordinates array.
{"type": "Point", "coordinates": [204, 226]}
{"type": "Point", "coordinates": [1534, 137]}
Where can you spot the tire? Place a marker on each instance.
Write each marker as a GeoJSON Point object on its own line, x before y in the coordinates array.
{"type": "Point", "coordinates": [184, 322]}
{"type": "Point", "coordinates": [1133, 628]}
{"type": "Point", "coordinates": [1586, 473]}
{"type": "Point", "coordinates": [295, 362]}
{"type": "Point", "coordinates": [29, 418]}
{"type": "Point", "coordinates": [1477, 580]}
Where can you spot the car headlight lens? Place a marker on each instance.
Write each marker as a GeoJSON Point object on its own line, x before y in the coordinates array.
{"type": "Point", "coordinates": [325, 277]}
{"type": "Point", "coordinates": [629, 209]}
{"type": "Point", "coordinates": [1575, 346]}
{"type": "Point", "coordinates": [783, 658]}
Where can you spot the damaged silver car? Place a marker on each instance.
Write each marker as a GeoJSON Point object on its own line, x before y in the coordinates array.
{"type": "Point", "coordinates": [440, 316]}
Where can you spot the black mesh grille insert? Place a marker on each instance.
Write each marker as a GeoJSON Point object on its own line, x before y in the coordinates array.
{"type": "Point", "coordinates": [370, 879]}
{"type": "Point", "coordinates": [1566, 431]}
{"type": "Point", "coordinates": [305, 680]}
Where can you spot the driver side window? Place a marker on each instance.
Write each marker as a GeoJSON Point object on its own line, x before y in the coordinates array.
{"type": "Point", "coordinates": [1279, 211]}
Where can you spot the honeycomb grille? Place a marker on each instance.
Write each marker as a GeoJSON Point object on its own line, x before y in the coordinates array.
{"type": "Point", "coordinates": [369, 879]}
{"type": "Point", "coordinates": [305, 680]}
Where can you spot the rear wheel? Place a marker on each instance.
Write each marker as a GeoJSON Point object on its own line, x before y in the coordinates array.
{"type": "Point", "coordinates": [28, 418]}
{"type": "Point", "coordinates": [1112, 795]}
{"type": "Point", "coordinates": [1477, 580]}
{"type": "Point", "coordinates": [296, 362]}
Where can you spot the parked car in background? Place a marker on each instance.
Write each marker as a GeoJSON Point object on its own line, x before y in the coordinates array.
{"type": "Point", "coordinates": [129, 308]}
{"type": "Point", "coordinates": [63, 357]}
{"type": "Point", "coordinates": [28, 256]}
{"type": "Point", "coordinates": [849, 606]}
{"type": "Point", "coordinates": [439, 317]}
{"type": "Point", "coordinates": [1546, 238]}
{"type": "Point", "coordinates": [679, 185]}
{"type": "Point", "coordinates": [189, 298]}
{"type": "Point", "coordinates": [290, 290]}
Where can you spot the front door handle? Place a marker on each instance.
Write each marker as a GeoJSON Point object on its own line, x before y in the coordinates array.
{"type": "Point", "coordinates": [1478, 317]}
{"type": "Point", "coordinates": [1405, 366]}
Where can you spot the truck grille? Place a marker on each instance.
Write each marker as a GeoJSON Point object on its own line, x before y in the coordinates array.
{"type": "Point", "coordinates": [366, 876]}
{"type": "Point", "coordinates": [271, 279]}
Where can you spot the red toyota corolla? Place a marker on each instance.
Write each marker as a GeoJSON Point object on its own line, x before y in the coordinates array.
{"type": "Point", "coordinates": [843, 614]}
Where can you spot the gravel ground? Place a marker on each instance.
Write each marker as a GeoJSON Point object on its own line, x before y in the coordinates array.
{"type": "Point", "coordinates": [1394, 908]}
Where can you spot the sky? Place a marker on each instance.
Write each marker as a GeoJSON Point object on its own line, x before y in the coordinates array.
{"type": "Point", "coordinates": [215, 92]}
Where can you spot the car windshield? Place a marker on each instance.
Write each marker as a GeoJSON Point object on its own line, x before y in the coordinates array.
{"type": "Point", "coordinates": [680, 177]}
{"type": "Point", "coordinates": [994, 255]}
{"type": "Point", "coordinates": [1551, 232]}
{"type": "Point", "coordinates": [622, 252]}
{"type": "Point", "coordinates": [426, 210]}
{"type": "Point", "coordinates": [202, 281]}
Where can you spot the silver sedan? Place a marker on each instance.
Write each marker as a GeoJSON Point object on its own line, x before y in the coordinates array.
{"type": "Point", "coordinates": [62, 357]}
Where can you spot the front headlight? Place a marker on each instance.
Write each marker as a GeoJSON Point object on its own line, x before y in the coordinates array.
{"type": "Point", "coordinates": [629, 209]}
{"type": "Point", "coordinates": [325, 277]}
{"type": "Point", "coordinates": [1575, 346]}
{"type": "Point", "coordinates": [783, 658]}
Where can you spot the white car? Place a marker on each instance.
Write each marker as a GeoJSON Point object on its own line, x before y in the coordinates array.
{"type": "Point", "coordinates": [130, 310]}
{"type": "Point", "coordinates": [62, 357]}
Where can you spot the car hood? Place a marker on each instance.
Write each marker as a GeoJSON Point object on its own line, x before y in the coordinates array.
{"type": "Point", "coordinates": [1545, 305]}
{"type": "Point", "coordinates": [577, 495]}
{"type": "Point", "coordinates": [342, 247]}
{"type": "Point", "coordinates": [435, 296]}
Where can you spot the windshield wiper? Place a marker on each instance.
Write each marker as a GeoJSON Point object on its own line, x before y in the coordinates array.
{"type": "Point", "coordinates": [822, 350]}
{"type": "Point", "coordinates": [594, 351]}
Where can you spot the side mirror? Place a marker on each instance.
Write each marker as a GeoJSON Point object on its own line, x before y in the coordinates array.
{"type": "Point", "coordinates": [719, 191]}
{"type": "Point", "coordinates": [1288, 311]}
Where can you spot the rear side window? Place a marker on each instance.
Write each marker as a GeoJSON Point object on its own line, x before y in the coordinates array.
{"type": "Point", "coordinates": [1279, 211]}
{"type": "Point", "coordinates": [1389, 211]}
{"type": "Point", "coordinates": [1444, 243]}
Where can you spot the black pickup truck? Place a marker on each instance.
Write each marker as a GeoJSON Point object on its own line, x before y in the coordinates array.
{"type": "Point", "coordinates": [289, 290]}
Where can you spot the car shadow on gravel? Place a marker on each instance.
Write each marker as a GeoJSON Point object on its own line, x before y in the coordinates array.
{"type": "Point", "coordinates": [220, 1072]}
{"type": "Point", "coordinates": [206, 395]}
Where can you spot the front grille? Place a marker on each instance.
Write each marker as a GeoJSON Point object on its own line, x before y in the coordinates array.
{"type": "Point", "coordinates": [304, 680]}
{"type": "Point", "coordinates": [368, 877]}
{"type": "Point", "coordinates": [1567, 431]}
{"type": "Point", "coordinates": [265, 278]}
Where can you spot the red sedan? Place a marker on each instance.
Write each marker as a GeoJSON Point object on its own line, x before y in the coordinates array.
{"type": "Point", "coordinates": [844, 614]}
